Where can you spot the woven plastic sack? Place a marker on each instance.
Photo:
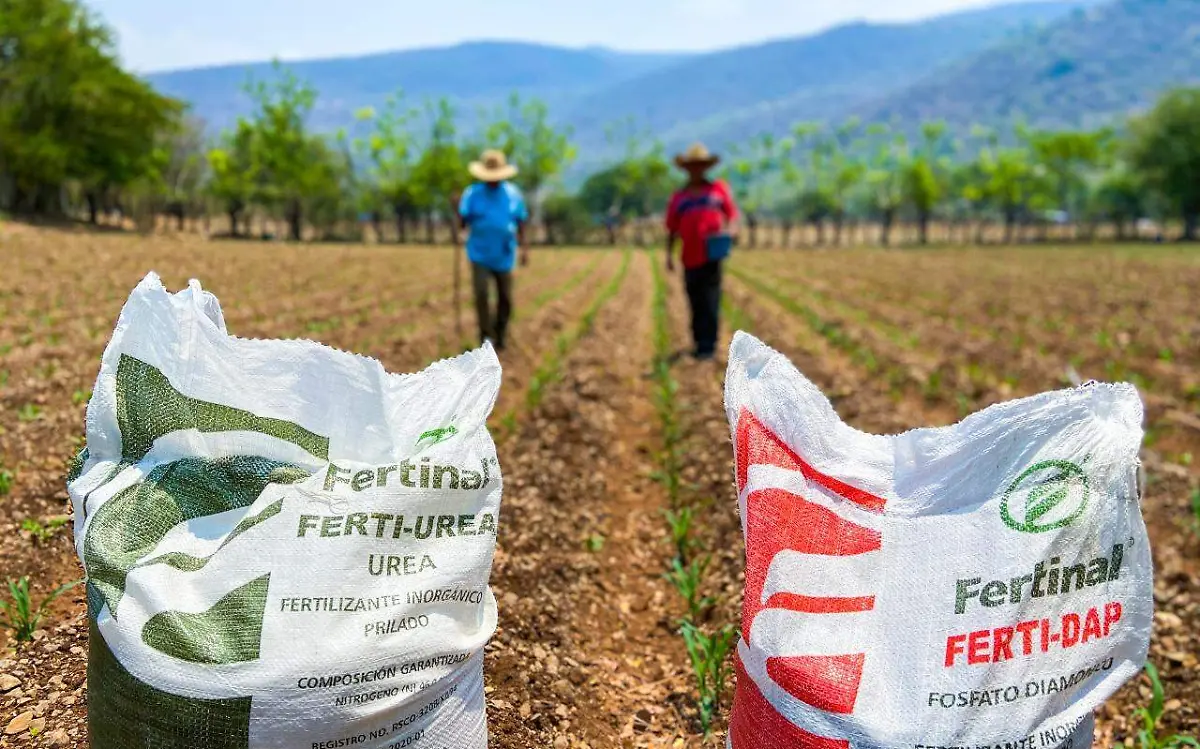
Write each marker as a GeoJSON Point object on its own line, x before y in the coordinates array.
{"type": "Point", "coordinates": [984, 585]}
{"type": "Point", "coordinates": [285, 545]}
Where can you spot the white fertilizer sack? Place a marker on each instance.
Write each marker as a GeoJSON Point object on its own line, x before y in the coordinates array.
{"type": "Point", "coordinates": [285, 545]}
{"type": "Point", "coordinates": [979, 586]}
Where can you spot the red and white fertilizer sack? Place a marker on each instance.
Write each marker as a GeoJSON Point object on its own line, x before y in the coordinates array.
{"type": "Point", "coordinates": [286, 547]}
{"type": "Point", "coordinates": [983, 585]}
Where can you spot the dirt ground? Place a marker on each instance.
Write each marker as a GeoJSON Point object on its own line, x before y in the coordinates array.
{"type": "Point", "coordinates": [587, 653]}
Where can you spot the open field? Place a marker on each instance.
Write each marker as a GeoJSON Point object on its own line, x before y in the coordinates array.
{"type": "Point", "coordinates": [598, 436]}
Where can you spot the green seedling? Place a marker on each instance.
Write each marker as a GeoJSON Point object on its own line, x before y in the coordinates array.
{"type": "Point", "coordinates": [29, 412]}
{"type": "Point", "coordinates": [1195, 508]}
{"type": "Point", "coordinates": [43, 533]}
{"type": "Point", "coordinates": [6, 481]}
{"type": "Point", "coordinates": [680, 522]}
{"type": "Point", "coordinates": [688, 580]}
{"type": "Point", "coordinates": [709, 654]}
{"type": "Point", "coordinates": [1147, 735]}
{"type": "Point", "coordinates": [595, 543]}
{"type": "Point", "coordinates": [18, 613]}
{"type": "Point", "coordinates": [79, 397]}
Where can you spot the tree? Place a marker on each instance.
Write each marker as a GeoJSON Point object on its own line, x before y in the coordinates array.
{"type": "Point", "coordinates": [540, 150]}
{"type": "Point", "coordinates": [636, 187]}
{"type": "Point", "coordinates": [441, 171]}
{"type": "Point", "coordinates": [1067, 156]}
{"type": "Point", "coordinates": [924, 175]}
{"type": "Point", "coordinates": [1012, 182]}
{"type": "Point", "coordinates": [391, 153]}
{"type": "Point", "coordinates": [750, 177]}
{"type": "Point", "coordinates": [1165, 151]}
{"type": "Point", "coordinates": [1119, 199]}
{"type": "Point", "coordinates": [885, 180]}
{"type": "Point", "coordinates": [186, 168]}
{"type": "Point", "coordinates": [234, 172]}
{"type": "Point", "coordinates": [566, 218]}
{"type": "Point", "coordinates": [283, 151]}
{"type": "Point", "coordinates": [68, 113]}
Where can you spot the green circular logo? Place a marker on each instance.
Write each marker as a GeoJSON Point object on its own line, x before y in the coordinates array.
{"type": "Point", "coordinates": [1049, 495]}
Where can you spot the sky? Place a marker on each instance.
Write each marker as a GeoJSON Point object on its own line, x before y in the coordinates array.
{"type": "Point", "coordinates": [167, 34]}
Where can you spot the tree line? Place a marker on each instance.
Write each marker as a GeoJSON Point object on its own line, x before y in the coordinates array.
{"type": "Point", "coordinates": [80, 136]}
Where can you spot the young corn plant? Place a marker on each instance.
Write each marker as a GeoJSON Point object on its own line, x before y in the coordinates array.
{"type": "Point", "coordinates": [709, 655]}
{"type": "Point", "coordinates": [6, 481]}
{"type": "Point", "coordinates": [1147, 735]}
{"type": "Point", "coordinates": [688, 579]}
{"type": "Point", "coordinates": [680, 522]}
{"type": "Point", "coordinates": [19, 614]}
{"type": "Point", "coordinates": [43, 533]}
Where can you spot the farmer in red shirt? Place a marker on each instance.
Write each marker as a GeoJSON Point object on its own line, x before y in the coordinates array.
{"type": "Point", "coordinates": [701, 215]}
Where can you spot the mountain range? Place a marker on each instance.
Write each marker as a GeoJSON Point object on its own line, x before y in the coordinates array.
{"type": "Point", "coordinates": [1060, 62]}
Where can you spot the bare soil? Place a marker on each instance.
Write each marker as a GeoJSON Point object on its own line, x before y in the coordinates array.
{"type": "Point", "coordinates": [587, 653]}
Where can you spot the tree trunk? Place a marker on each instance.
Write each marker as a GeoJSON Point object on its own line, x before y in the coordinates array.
{"type": "Point", "coordinates": [295, 222]}
{"type": "Point", "coordinates": [839, 221]}
{"type": "Point", "coordinates": [401, 226]}
{"type": "Point", "coordinates": [923, 227]}
{"type": "Point", "coordinates": [454, 227]}
{"type": "Point", "coordinates": [885, 237]}
{"type": "Point", "coordinates": [820, 227]}
{"type": "Point", "coordinates": [377, 226]}
{"type": "Point", "coordinates": [1190, 224]}
{"type": "Point", "coordinates": [980, 227]}
{"type": "Point", "coordinates": [1010, 222]}
{"type": "Point", "coordinates": [787, 234]}
{"type": "Point", "coordinates": [93, 208]}
{"type": "Point", "coordinates": [752, 225]}
{"type": "Point", "coordinates": [233, 220]}
{"type": "Point", "coordinates": [429, 228]}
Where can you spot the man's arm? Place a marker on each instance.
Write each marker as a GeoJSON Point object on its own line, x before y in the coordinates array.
{"type": "Point", "coordinates": [672, 221]}
{"type": "Point", "coordinates": [462, 205]}
{"type": "Point", "coordinates": [730, 209]}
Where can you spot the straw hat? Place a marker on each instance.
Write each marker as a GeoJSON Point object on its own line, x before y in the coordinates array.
{"type": "Point", "coordinates": [492, 166]}
{"type": "Point", "coordinates": [697, 155]}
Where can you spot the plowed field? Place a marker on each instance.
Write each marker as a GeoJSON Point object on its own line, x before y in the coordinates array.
{"type": "Point", "coordinates": [588, 653]}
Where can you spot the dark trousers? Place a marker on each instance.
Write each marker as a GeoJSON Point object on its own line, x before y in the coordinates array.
{"type": "Point", "coordinates": [704, 295]}
{"type": "Point", "coordinates": [493, 327]}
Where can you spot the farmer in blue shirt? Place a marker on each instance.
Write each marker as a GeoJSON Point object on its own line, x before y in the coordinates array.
{"type": "Point", "coordinates": [494, 212]}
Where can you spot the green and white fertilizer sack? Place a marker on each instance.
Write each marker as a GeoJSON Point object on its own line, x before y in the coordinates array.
{"type": "Point", "coordinates": [979, 586]}
{"type": "Point", "coordinates": [285, 545]}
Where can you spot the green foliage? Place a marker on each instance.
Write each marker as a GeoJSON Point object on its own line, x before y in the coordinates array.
{"type": "Point", "coordinates": [1195, 509]}
{"type": "Point", "coordinates": [43, 533]}
{"type": "Point", "coordinates": [688, 579]}
{"type": "Point", "coordinates": [1149, 716]}
{"type": "Point", "coordinates": [390, 153]}
{"type": "Point", "coordinates": [680, 522]}
{"type": "Point", "coordinates": [566, 219]}
{"type": "Point", "coordinates": [6, 481]}
{"type": "Point", "coordinates": [522, 129]}
{"type": "Point", "coordinates": [594, 543]}
{"type": "Point", "coordinates": [709, 655]}
{"type": "Point", "coordinates": [29, 412]}
{"type": "Point", "coordinates": [19, 614]}
{"type": "Point", "coordinates": [69, 115]}
{"type": "Point", "coordinates": [1164, 149]}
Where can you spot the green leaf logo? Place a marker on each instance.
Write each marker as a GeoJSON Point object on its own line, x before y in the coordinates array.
{"type": "Point", "coordinates": [1049, 495]}
{"type": "Point", "coordinates": [434, 436]}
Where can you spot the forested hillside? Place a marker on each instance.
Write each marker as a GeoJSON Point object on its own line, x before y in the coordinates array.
{"type": "Point", "coordinates": [1088, 69]}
